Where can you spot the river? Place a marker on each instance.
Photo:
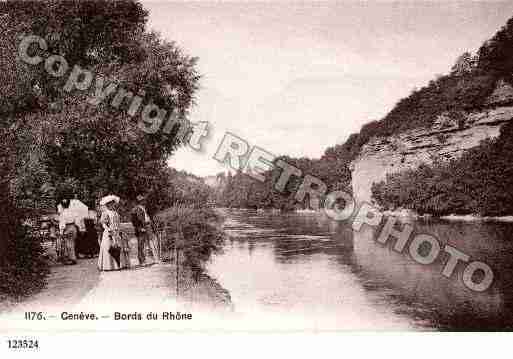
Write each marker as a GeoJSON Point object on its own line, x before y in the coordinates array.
{"type": "Point", "coordinates": [297, 271]}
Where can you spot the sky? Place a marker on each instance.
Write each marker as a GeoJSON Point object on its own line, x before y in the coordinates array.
{"type": "Point", "coordinates": [297, 77]}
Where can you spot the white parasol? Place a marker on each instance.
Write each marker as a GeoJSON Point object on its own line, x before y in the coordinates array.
{"type": "Point", "coordinates": [77, 210]}
{"type": "Point", "coordinates": [109, 198]}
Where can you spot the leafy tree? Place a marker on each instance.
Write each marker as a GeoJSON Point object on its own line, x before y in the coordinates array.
{"type": "Point", "coordinates": [56, 142]}
{"type": "Point", "coordinates": [100, 146]}
{"type": "Point", "coordinates": [464, 64]}
{"type": "Point", "coordinates": [496, 54]}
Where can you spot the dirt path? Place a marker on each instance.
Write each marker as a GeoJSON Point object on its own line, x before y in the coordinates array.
{"type": "Point", "coordinates": [82, 288]}
{"type": "Point", "coordinates": [66, 286]}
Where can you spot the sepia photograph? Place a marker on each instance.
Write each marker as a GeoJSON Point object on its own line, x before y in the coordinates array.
{"type": "Point", "coordinates": [258, 167]}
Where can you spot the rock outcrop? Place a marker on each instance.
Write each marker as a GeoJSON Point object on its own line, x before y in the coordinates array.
{"type": "Point", "coordinates": [448, 137]}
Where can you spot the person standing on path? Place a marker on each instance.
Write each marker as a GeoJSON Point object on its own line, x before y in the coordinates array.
{"type": "Point", "coordinates": [69, 231]}
{"type": "Point", "coordinates": [113, 254]}
{"type": "Point", "coordinates": [143, 231]}
{"type": "Point", "coordinates": [99, 227]}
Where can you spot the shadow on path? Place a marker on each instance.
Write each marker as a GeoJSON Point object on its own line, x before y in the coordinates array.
{"type": "Point", "coordinates": [66, 286]}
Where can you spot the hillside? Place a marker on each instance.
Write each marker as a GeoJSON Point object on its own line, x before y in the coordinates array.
{"type": "Point", "coordinates": [452, 155]}
{"type": "Point", "coordinates": [438, 122]}
{"type": "Point", "coordinates": [445, 139]}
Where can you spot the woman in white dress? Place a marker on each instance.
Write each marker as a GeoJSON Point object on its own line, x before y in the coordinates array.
{"type": "Point", "coordinates": [112, 238]}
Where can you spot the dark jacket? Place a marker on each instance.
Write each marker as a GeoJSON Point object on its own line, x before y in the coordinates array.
{"type": "Point", "coordinates": [138, 219]}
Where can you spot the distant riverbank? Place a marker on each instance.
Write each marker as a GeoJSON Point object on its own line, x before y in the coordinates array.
{"type": "Point", "coordinates": [403, 213]}
{"type": "Point", "coordinates": [452, 217]}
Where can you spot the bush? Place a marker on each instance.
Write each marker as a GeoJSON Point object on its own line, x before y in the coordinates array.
{"type": "Point", "coordinates": [479, 182]}
{"type": "Point", "coordinates": [23, 269]}
{"type": "Point", "coordinates": [201, 241]}
{"type": "Point", "coordinates": [22, 266]}
{"type": "Point", "coordinates": [196, 231]}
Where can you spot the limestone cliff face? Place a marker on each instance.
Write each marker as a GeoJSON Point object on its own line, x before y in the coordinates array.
{"type": "Point", "coordinates": [446, 138]}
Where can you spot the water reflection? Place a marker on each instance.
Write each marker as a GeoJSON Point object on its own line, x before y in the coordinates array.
{"type": "Point", "coordinates": [303, 265]}
{"type": "Point", "coordinates": [446, 303]}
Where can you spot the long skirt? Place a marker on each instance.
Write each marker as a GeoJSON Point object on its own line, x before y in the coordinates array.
{"type": "Point", "coordinates": [106, 261]}
{"type": "Point", "coordinates": [68, 243]}
{"type": "Point", "coordinates": [87, 242]}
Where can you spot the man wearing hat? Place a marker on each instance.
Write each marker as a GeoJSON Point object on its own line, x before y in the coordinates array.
{"type": "Point", "coordinates": [143, 231]}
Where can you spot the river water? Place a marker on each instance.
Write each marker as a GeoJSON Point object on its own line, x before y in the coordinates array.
{"type": "Point", "coordinates": [297, 271]}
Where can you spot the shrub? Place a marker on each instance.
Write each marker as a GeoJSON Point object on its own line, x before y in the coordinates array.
{"type": "Point", "coordinates": [479, 182]}
{"type": "Point", "coordinates": [22, 267]}
{"type": "Point", "coordinates": [196, 232]}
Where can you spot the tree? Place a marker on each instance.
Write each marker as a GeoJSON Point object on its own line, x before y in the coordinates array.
{"type": "Point", "coordinates": [55, 141]}
{"type": "Point", "coordinates": [100, 146]}
{"type": "Point", "coordinates": [464, 64]}
{"type": "Point", "coordinates": [496, 54]}
{"type": "Point", "coordinates": [479, 182]}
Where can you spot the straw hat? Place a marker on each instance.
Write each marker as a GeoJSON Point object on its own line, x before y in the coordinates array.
{"type": "Point", "coordinates": [108, 199]}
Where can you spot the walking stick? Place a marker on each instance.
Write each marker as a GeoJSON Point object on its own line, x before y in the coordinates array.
{"type": "Point", "coordinates": [162, 234]}
{"type": "Point", "coordinates": [157, 235]}
{"type": "Point", "coordinates": [177, 266]}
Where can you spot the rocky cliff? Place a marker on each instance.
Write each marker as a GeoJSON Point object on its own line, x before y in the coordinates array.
{"type": "Point", "coordinates": [448, 137]}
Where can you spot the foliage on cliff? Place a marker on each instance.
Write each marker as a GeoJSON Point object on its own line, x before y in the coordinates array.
{"type": "Point", "coordinates": [466, 87]}
{"type": "Point", "coordinates": [496, 54]}
{"type": "Point", "coordinates": [479, 182]}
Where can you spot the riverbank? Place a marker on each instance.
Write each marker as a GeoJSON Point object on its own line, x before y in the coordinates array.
{"type": "Point", "coordinates": [204, 293]}
{"type": "Point", "coordinates": [404, 213]}
{"type": "Point", "coordinates": [470, 218]}
{"type": "Point", "coordinates": [76, 287]}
